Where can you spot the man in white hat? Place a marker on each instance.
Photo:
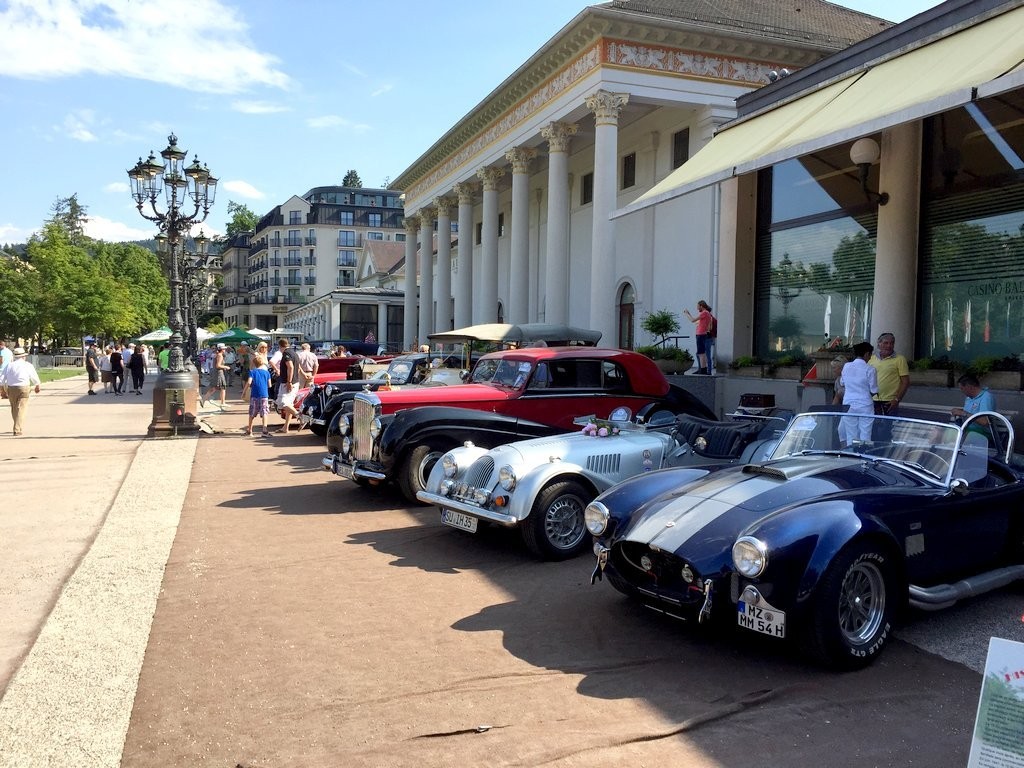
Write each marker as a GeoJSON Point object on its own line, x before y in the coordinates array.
{"type": "Point", "coordinates": [16, 382]}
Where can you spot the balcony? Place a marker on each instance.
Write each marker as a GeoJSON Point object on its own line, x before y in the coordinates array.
{"type": "Point", "coordinates": [351, 241]}
{"type": "Point", "coordinates": [275, 281]}
{"type": "Point", "coordinates": [344, 261]}
{"type": "Point", "coordinates": [275, 242]}
{"type": "Point", "coordinates": [292, 242]}
{"type": "Point", "coordinates": [293, 281]}
{"type": "Point", "coordinates": [258, 247]}
{"type": "Point", "coordinates": [348, 281]}
{"type": "Point", "coordinates": [309, 261]}
{"type": "Point", "coordinates": [310, 241]}
{"type": "Point", "coordinates": [310, 281]}
{"type": "Point", "coordinates": [275, 261]}
{"type": "Point", "coordinates": [293, 261]}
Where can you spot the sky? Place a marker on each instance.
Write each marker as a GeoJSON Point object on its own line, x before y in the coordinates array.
{"type": "Point", "coordinates": [275, 97]}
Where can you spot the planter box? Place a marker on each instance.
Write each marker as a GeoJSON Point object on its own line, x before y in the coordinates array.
{"type": "Point", "coordinates": [788, 372]}
{"type": "Point", "coordinates": [672, 366]}
{"type": "Point", "coordinates": [1002, 380]}
{"type": "Point", "coordinates": [932, 378]}
{"type": "Point", "coordinates": [750, 371]}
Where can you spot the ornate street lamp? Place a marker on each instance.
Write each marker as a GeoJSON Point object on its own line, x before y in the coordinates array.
{"type": "Point", "coordinates": [176, 386]}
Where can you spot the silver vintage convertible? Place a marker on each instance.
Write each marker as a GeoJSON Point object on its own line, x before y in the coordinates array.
{"type": "Point", "coordinates": [542, 486]}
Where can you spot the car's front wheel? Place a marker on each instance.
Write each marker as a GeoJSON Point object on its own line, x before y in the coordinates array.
{"type": "Point", "coordinates": [555, 528]}
{"type": "Point", "coordinates": [853, 614]}
{"type": "Point", "coordinates": [413, 474]}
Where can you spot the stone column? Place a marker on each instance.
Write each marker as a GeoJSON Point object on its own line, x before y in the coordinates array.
{"type": "Point", "coordinates": [606, 107]}
{"type": "Point", "coordinates": [487, 307]}
{"type": "Point", "coordinates": [426, 274]}
{"type": "Point", "coordinates": [895, 297]}
{"type": "Point", "coordinates": [556, 268]}
{"type": "Point", "coordinates": [412, 224]}
{"type": "Point", "coordinates": [443, 315]}
{"type": "Point", "coordinates": [464, 277]}
{"type": "Point", "coordinates": [519, 272]}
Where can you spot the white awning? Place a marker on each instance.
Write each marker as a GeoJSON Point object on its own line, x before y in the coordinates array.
{"type": "Point", "coordinates": [925, 81]}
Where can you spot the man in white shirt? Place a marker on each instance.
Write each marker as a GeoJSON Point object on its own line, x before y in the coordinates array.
{"type": "Point", "coordinates": [860, 385]}
{"type": "Point", "coordinates": [5, 355]}
{"type": "Point", "coordinates": [16, 380]}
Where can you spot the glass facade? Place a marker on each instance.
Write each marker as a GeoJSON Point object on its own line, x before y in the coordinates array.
{"type": "Point", "coordinates": [971, 276]}
{"type": "Point", "coordinates": [815, 267]}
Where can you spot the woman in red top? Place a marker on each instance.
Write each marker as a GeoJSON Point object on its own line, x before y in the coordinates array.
{"type": "Point", "coordinates": [703, 321]}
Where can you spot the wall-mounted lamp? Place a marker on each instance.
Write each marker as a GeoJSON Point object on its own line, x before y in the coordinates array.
{"type": "Point", "coordinates": [864, 153]}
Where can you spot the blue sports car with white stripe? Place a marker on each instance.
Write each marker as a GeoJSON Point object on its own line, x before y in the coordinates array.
{"type": "Point", "coordinates": [825, 542]}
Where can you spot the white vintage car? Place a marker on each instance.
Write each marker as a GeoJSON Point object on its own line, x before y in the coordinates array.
{"type": "Point", "coordinates": [543, 485]}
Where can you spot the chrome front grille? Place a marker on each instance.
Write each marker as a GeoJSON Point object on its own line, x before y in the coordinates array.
{"type": "Point", "coordinates": [608, 464]}
{"type": "Point", "coordinates": [479, 474]}
{"type": "Point", "coordinates": [364, 410]}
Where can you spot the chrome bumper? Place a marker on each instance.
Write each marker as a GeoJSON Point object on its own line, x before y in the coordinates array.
{"type": "Point", "coordinates": [467, 509]}
{"type": "Point", "coordinates": [333, 463]}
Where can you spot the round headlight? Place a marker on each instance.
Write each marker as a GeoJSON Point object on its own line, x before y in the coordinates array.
{"type": "Point", "coordinates": [346, 445]}
{"type": "Point", "coordinates": [507, 478]}
{"type": "Point", "coordinates": [375, 428]}
{"type": "Point", "coordinates": [345, 424]}
{"type": "Point", "coordinates": [481, 497]}
{"type": "Point", "coordinates": [750, 556]}
{"type": "Point", "coordinates": [450, 465]}
{"type": "Point", "coordinates": [596, 516]}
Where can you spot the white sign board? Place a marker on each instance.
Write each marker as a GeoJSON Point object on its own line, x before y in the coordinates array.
{"type": "Point", "coordinates": [999, 727]}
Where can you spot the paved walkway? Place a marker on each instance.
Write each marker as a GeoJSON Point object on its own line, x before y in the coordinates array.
{"type": "Point", "coordinates": [90, 509]}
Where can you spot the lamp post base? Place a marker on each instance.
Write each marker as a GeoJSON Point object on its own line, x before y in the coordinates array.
{"type": "Point", "coordinates": [175, 401]}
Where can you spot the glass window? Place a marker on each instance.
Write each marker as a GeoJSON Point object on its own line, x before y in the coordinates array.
{"type": "Point", "coordinates": [294, 217]}
{"type": "Point", "coordinates": [374, 219]}
{"type": "Point", "coordinates": [400, 237]}
{"type": "Point", "coordinates": [587, 188]}
{"type": "Point", "coordinates": [971, 292]}
{"type": "Point", "coordinates": [374, 235]}
{"type": "Point", "coordinates": [357, 320]}
{"type": "Point", "coordinates": [347, 238]}
{"type": "Point", "coordinates": [680, 147]}
{"type": "Point", "coordinates": [815, 270]}
{"type": "Point", "coordinates": [629, 170]}
{"type": "Point", "coordinates": [347, 218]}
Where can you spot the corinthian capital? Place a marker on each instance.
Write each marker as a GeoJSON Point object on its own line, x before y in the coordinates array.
{"type": "Point", "coordinates": [490, 178]}
{"type": "Point", "coordinates": [520, 158]}
{"type": "Point", "coordinates": [465, 191]}
{"type": "Point", "coordinates": [443, 205]}
{"type": "Point", "coordinates": [412, 225]}
{"type": "Point", "coordinates": [558, 135]}
{"type": "Point", "coordinates": [426, 216]}
{"type": "Point", "coordinates": [606, 106]}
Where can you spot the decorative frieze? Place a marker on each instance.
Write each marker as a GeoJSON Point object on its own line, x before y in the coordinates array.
{"type": "Point", "coordinates": [656, 58]}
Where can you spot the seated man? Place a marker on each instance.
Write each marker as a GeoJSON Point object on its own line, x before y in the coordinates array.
{"type": "Point", "coordinates": [976, 398]}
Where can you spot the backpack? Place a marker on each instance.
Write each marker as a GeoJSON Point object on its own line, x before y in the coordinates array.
{"type": "Point", "coordinates": [713, 328]}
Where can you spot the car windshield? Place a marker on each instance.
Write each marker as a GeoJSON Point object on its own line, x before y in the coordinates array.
{"type": "Point", "coordinates": [503, 372]}
{"type": "Point", "coordinates": [925, 445]}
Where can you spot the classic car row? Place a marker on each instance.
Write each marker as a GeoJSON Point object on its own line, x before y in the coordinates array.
{"type": "Point", "coordinates": [766, 522]}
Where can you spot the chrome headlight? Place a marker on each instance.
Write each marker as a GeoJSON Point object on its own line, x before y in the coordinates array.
{"type": "Point", "coordinates": [481, 497]}
{"type": "Point", "coordinates": [345, 424]}
{"type": "Point", "coordinates": [596, 516]}
{"type": "Point", "coordinates": [750, 556]}
{"type": "Point", "coordinates": [375, 428]}
{"type": "Point", "coordinates": [507, 478]}
{"type": "Point", "coordinates": [346, 445]}
{"type": "Point", "coordinates": [450, 465]}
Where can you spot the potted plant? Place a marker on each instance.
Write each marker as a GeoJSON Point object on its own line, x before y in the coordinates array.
{"type": "Point", "coordinates": [788, 366]}
{"type": "Point", "coordinates": [663, 324]}
{"type": "Point", "coordinates": [747, 365]}
{"type": "Point", "coordinates": [997, 372]}
{"type": "Point", "coordinates": [932, 372]}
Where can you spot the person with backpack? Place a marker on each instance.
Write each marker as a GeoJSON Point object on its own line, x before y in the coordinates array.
{"type": "Point", "coordinates": [707, 330]}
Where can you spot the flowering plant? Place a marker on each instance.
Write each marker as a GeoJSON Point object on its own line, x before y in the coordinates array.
{"type": "Point", "coordinates": [599, 428]}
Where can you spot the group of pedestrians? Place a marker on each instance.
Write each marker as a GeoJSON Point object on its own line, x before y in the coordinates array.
{"type": "Point", "coordinates": [111, 364]}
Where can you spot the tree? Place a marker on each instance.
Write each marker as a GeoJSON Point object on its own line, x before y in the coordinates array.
{"type": "Point", "coordinates": [661, 324]}
{"type": "Point", "coordinates": [243, 219]}
{"type": "Point", "coordinates": [20, 310]}
{"type": "Point", "coordinates": [70, 215]}
{"type": "Point", "coordinates": [137, 267]}
{"type": "Point", "coordinates": [351, 179]}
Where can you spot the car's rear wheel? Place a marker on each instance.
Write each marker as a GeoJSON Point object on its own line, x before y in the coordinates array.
{"type": "Point", "coordinates": [555, 528]}
{"type": "Point", "coordinates": [413, 474]}
{"type": "Point", "coordinates": [853, 614]}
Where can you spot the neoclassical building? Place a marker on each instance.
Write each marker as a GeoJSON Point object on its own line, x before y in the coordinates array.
{"type": "Point", "coordinates": [607, 109]}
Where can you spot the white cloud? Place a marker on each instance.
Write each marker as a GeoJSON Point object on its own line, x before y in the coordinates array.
{"type": "Point", "coordinates": [258, 107]}
{"type": "Point", "coordinates": [353, 69]}
{"type": "Point", "coordinates": [117, 187]}
{"type": "Point", "coordinates": [46, 39]}
{"type": "Point", "coordinates": [100, 228]}
{"type": "Point", "coordinates": [12, 234]}
{"type": "Point", "coordinates": [336, 121]}
{"type": "Point", "coordinates": [77, 125]}
{"type": "Point", "coordinates": [243, 188]}
{"type": "Point", "coordinates": [382, 90]}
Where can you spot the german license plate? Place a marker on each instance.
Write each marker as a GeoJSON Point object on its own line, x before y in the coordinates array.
{"type": "Point", "coordinates": [459, 520]}
{"type": "Point", "coordinates": [341, 469]}
{"type": "Point", "coordinates": [761, 618]}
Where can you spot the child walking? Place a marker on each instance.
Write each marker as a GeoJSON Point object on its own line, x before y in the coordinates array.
{"type": "Point", "coordinates": [259, 393]}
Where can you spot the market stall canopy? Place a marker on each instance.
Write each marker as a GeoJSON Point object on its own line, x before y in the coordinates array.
{"type": "Point", "coordinates": [525, 333]}
{"type": "Point", "coordinates": [236, 336]}
{"type": "Point", "coordinates": [289, 332]}
{"type": "Point", "coordinates": [265, 335]}
{"type": "Point", "coordinates": [155, 337]}
{"type": "Point", "coordinates": [202, 334]}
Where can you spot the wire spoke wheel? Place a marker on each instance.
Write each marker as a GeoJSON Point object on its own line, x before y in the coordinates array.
{"type": "Point", "coordinates": [861, 602]}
